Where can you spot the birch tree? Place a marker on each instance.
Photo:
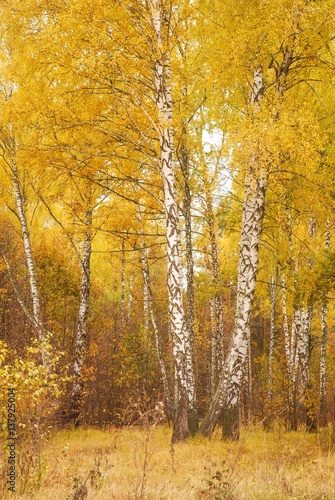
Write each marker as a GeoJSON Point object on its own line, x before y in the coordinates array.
{"type": "Point", "coordinates": [323, 350]}
{"type": "Point", "coordinates": [162, 73]}
{"type": "Point", "coordinates": [81, 336]}
{"type": "Point", "coordinates": [149, 310]}
{"type": "Point", "coordinates": [10, 148]}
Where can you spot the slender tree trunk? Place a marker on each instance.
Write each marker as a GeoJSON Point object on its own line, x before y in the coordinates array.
{"type": "Point", "coordinates": [323, 352]}
{"type": "Point", "coordinates": [289, 353]}
{"type": "Point", "coordinates": [323, 366]}
{"type": "Point", "coordinates": [230, 429]}
{"type": "Point", "coordinates": [272, 335]}
{"type": "Point", "coordinates": [193, 421]}
{"type": "Point", "coordinates": [217, 328]}
{"type": "Point", "coordinates": [229, 387]}
{"type": "Point", "coordinates": [149, 308]}
{"type": "Point", "coordinates": [285, 324]}
{"type": "Point", "coordinates": [301, 376]}
{"type": "Point", "coordinates": [130, 294]}
{"type": "Point", "coordinates": [81, 337]}
{"type": "Point", "coordinates": [146, 297]}
{"type": "Point", "coordinates": [214, 378]}
{"type": "Point", "coordinates": [123, 286]}
{"type": "Point", "coordinates": [180, 336]}
{"type": "Point", "coordinates": [36, 305]}
{"type": "Point", "coordinates": [249, 395]}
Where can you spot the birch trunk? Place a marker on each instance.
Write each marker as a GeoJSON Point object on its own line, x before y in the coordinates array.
{"type": "Point", "coordinates": [246, 409]}
{"type": "Point", "coordinates": [36, 305]}
{"type": "Point", "coordinates": [289, 354]}
{"type": "Point", "coordinates": [323, 352]}
{"type": "Point", "coordinates": [193, 421]}
{"type": "Point", "coordinates": [291, 340]}
{"type": "Point", "coordinates": [217, 326]}
{"type": "Point", "coordinates": [285, 323]}
{"type": "Point", "coordinates": [272, 334]}
{"type": "Point", "coordinates": [81, 337]}
{"type": "Point", "coordinates": [123, 286]}
{"type": "Point", "coordinates": [213, 379]}
{"type": "Point", "coordinates": [230, 428]}
{"type": "Point", "coordinates": [130, 294]}
{"type": "Point", "coordinates": [149, 309]}
{"type": "Point", "coordinates": [301, 375]}
{"type": "Point", "coordinates": [323, 366]}
{"type": "Point", "coordinates": [180, 337]}
{"type": "Point", "coordinates": [229, 387]}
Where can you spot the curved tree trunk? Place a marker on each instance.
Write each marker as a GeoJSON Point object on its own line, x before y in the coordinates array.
{"type": "Point", "coordinates": [230, 428]}
{"type": "Point", "coordinates": [36, 305]}
{"type": "Point", "coordinates": [228, 391]}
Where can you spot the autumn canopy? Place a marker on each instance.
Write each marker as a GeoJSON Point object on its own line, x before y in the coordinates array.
{"type": "Point", "coordinates": [167, 200]}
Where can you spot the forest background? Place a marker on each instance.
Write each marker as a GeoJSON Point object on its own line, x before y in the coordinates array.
{"type": "Point", "coordinates": [167, 213]}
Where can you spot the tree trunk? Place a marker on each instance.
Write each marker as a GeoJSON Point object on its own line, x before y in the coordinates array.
{"type": "Point", "coordinates": [229, 387]}
{"type": "Point", "coordinates": [323, 352]}
{"type": "Point", "coordinates": [81, 337]}
{"type": "Point", "coordinates": [285, 323]}
{"type": "Point", "coordinates": [193, 420]}
{"type": "Point", "coordinates": [123, 286]}
{"type": "Point", "coordinates": [217, 314]}
{"type": "Point", "coordinates": [272, 335]}
{"type": "Point", "coordinates": [36, 305]}
{"type": "Point", "coordinates": [180, 337]}
{"type": "Point", "coordinates": [149, 308]}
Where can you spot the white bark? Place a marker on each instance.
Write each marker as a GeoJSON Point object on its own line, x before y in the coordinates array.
{"type": "Point", "coordinates": [146, 297]}
{"type": "Point", "coordinates": [248, 381]}
{"type": "Point", "coordinates": [323, 351]}
{"type": "Point", "coordinates": [130, 293]}
{"type": "Point", "coordinates": [303, 319]}
{"type": "Point", "coordinates": [228, 390]}
{"type": "Point", "coordinates": [193, 412]}
{"type": "Point", "coordinates": [229, 387]}
{"type": "Point", "coordinates": [36, 306]}
{"type": "Point", "coordinates": [285, 323]}
{"type": "Point", "coordinates": [213, 380]}
{"type": "Point", "coordinates": [81, 337]}
{"type": "Point", "coordinates": [123, 286]}
{"type": "Point", "coordinates": [149, 308]}
{"type": "Point", "coordinates": [176, 309]}
{"type": "Point", "coordinates": [272, 334]}
{"type": "Point", "coordinates": [216, 303]}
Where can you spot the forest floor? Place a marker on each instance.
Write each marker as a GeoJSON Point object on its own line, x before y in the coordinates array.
{"type": "Point", "coordinates": [140, 464]}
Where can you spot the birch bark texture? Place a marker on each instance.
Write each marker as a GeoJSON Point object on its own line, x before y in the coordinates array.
{"type": "Point", "coordinates": [228, 392]}
{"type": "Point", "coordinates": [193, 420]}
{"type": "Point", "coordinates": [162, 74]}
{"type": "Point", "coordinates": [35, 295]}
{"type": "Point", "coordinates": [217, 343]}
{"type": "Point", "coordinates": [273, 286]}
{"type": "Point", "coordinates": [81, 336]}
{"type": "Point", "coordinates": [149, 311]}
{"type": "Point", "coordinates": [323, 350]}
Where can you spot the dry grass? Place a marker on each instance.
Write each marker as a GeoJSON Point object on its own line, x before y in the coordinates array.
{"type": "Point", "coordinates": [140, 464]}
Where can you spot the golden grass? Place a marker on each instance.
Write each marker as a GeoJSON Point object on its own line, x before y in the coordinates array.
{"type": "Point", "coordinates": [140, 464]}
